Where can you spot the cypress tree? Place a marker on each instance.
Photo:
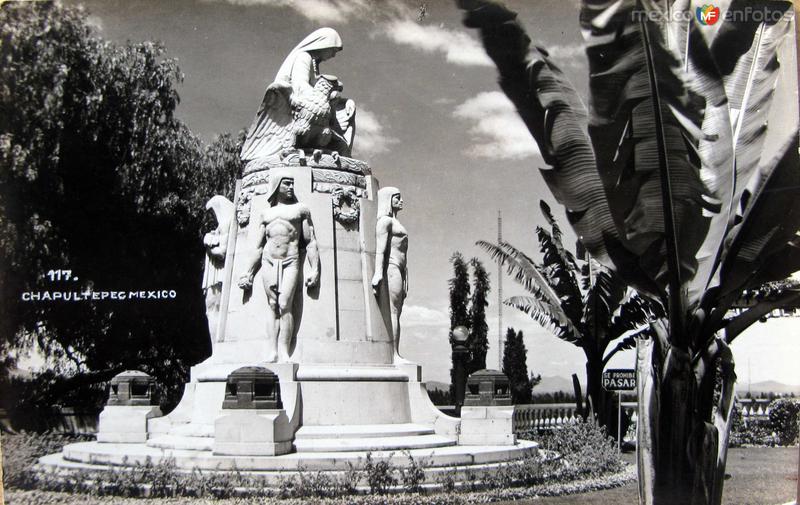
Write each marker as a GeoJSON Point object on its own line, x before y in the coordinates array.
{"type": "Point", "coordinates": [516, 368]}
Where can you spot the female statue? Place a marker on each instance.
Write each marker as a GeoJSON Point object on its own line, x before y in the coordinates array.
{"type": "Point", "coordinates": [302, 108]}
{"type": "Point", "coordinates": [390, 258]}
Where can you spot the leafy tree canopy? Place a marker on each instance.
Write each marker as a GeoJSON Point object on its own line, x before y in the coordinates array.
{"type": "Point", "coordinates": [98, 176]}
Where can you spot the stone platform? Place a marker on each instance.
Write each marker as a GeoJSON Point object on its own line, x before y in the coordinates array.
{"type": "Point", "coordinates": [458, 462]}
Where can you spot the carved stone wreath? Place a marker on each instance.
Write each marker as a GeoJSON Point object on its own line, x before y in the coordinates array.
{"type": "Point", "coordinates": [348, 196]}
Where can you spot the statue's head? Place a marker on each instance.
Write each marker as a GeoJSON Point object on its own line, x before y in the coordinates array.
{"type": "Point", "coordinates": [281, 184]}
{"type": "Point", "coordinates": [389, 201]}
{"type": "Point", "coordinates": [324, 43]}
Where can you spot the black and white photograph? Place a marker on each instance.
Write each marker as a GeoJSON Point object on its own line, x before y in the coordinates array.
{"type": "Point", "coordinates": [399, 252]}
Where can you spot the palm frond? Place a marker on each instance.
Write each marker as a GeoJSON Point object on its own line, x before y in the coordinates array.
{"type": "Point", "coordinates": [601, 301]}
{"type": "Point", "coordinates": [628, 341]}
{"type": "Point", "coordinates": [656, 134]}
{"type": "Point", "coordinates": [765, 241]}
{"type": "Point", "coordinates": [718, 165]}
{"type": "Point", "coordinates": [566, 256]}
{"type": "Point", "coordinates": [523, 270]}
{"type": "Point", "coordinates": [560, 273]}
{"type": "Point", "coordinates": [556, 118]}
{"type": "Point", "coordinates": [746, 52]}
{"type": "Point", "coordinates": [550, 317]}
{"type": "Point", "coordinates": [634, 311]}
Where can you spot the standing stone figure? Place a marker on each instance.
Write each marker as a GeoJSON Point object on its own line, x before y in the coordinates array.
{"type": "Point", "coordinates": [216, 243]}
{"type": "Point", "coordinates": [390, 259]}
{"type": "Point", "coordinates": [284, 228]}
{"type": "Point", "coordinates": [302, 108]}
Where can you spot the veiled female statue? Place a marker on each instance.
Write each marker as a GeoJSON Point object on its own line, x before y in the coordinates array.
{"type": "Point", "coordinates": [391, 273]}
{"type": "Point", "coordinates": [301, 107]}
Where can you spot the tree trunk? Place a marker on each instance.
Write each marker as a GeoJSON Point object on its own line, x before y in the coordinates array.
{"type": "Point", "coordinates": [682, 439]}
{"type": "Point", "coordinates": [601, 400]}
{"type": "Point", "coordinates": [666, 401]}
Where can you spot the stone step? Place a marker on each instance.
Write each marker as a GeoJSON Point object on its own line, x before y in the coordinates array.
{"type": "Point", "coordinates": [459, 464]}
{"type": "Point", "coordinates": [371, 443]}
{"type": "Point", "coordinates": [363, 431]}
{"type": "Point", "coordinates": [101, 454]}
{"type": "Point", "coordinates": [185, 443]}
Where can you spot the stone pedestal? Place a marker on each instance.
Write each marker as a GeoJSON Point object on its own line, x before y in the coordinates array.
{"type": "Point", "coordinates": [126, 424]}
{"type": "Point", "coordinates": [256, 432]}
{"type": "Point", "coordinates": [487, 387]}
{"type": "Point", "coordinates": [487, 426]}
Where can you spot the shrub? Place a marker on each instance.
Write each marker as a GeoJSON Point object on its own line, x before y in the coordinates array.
{"type": "Point", "coordinates": [585, 448]}
{"type": "Point", "coordinates": [413, 475]}
{"type": "Point", "coordinates": [752, 432]}
{"type": "Point", "coordinates": [380, 475]}
{"type": "Point", "coordinates": [783, 418]}
{"type": "Point", "coordinates": [22, 450]}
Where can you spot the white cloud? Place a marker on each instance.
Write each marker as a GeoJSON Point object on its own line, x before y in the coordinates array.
{"type": "Point", "coordinates": [497, 131]}
{"type": "Point", "coordinates": [370, 135]}
{"type": "Point", "coordinates": [457, 47]}
{"type": "Point", "coordinates": [332, 11]}
{"type": "Point", "coordinates": [417, 315]}
{"type": "Point", "coordinates": [567, 55]}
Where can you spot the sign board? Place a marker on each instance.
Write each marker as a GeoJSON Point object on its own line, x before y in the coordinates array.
{"type": "Point", "coordinates": [619, 379]}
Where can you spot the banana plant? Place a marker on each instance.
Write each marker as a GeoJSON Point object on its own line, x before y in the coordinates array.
{"type": "Point", "coordinates": [588, 306]}
{"type": "Point", "coordinates": [674, 179]}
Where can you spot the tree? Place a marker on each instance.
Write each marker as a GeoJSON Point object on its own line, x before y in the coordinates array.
{"type": "Point", "coordinates": [668, 185]}
{"type": "Point", "coordinates": [459, 292]}
{"type": "Point", "coordinates": [98, 177]}
{"type": "Point", "coordinates": [478, 341]}
{"type": "Point", "coordinates": [459, 297]}
{"type": "Point", "coordinates": [468, 308]}
{"type": "Point", "coordinates": [592, 318]}
{"type": "Point", "coordinates": [515, 367]}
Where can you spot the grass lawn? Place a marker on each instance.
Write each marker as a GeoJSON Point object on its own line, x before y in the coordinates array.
{"type": "Point", "coordinates": [759, 476]}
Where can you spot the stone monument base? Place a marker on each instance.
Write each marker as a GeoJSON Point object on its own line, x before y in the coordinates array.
{"type": "Point", "coordinates": [462, 464]}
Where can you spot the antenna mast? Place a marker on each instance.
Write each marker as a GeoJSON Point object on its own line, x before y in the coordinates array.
{"type": "Point", "coordinates": [499, 294]}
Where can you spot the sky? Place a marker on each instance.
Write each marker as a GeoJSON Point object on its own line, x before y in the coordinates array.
{"type": "Point", "coordinates": [431, 121]}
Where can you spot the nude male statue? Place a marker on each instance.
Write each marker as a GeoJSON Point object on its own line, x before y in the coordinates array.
{"type": "Point", "coordinates": [284, 228]}
{"type": "Point", "coordinates": [390, 259]}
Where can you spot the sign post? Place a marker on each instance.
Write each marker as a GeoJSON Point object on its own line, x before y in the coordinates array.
{"type": "Point", "coordinates": [619, 379]}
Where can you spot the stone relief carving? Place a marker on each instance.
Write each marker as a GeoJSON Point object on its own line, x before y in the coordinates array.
{"type": "Point", "coordinates": [301, 107]}
{"type": "Point", "coordinates": [346, 207]}
{"type": "Point", "coordinates": [330, 187]}
{"type": "Point", "coordinates": [216, 243]}
{"type": "Point", "coordinates": [391, 272]}
{"type": "Point", "coordinates": [284, 229]}
{"type": "Point", "coordinates": [317, 159]}
{"type": "Point", "coordinates": [338, 177]}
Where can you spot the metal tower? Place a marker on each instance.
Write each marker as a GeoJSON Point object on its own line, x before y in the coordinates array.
{"type": "Point", "coordinates": [499, 294]}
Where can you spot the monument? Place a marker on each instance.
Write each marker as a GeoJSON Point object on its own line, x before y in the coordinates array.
{"type": "Point", "coordinates": [305, 281]}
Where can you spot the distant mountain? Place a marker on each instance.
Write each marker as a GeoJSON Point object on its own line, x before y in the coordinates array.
{"type": "Point", "coordinates": [441, 386]}
{"type": "Point", "coordinates": [554, 384]}
{"type": "Point", "coordinates": [766, 387]}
